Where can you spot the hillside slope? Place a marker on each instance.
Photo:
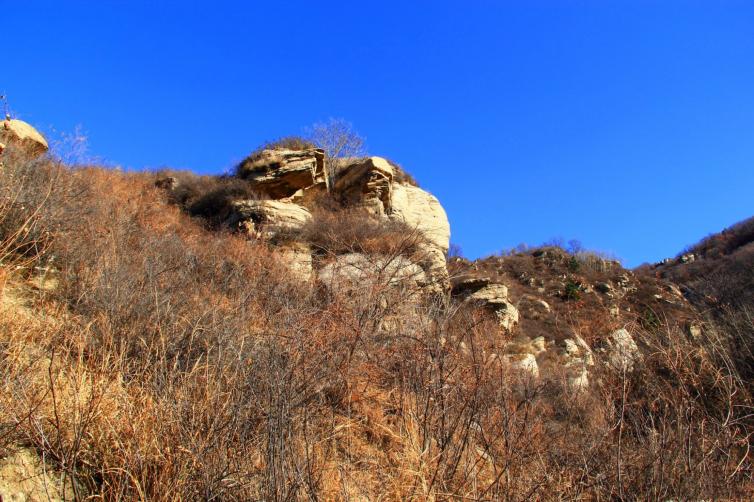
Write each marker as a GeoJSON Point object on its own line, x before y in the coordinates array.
{"type": "Point", "coordinates": [290, 333]}
{"type": "Point", "coordinates": [717, 275]}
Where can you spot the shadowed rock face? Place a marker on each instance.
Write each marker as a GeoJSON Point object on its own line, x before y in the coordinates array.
{"type": "Point", "coordinates": [281, 173]}
{"type": "Point", "coordinates": [367, 184]}
{"type": "Point", "coordinates": [18, 132]}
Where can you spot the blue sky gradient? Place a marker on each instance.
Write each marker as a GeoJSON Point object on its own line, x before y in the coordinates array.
{"type": "Point", "coordinates": [628, 125]}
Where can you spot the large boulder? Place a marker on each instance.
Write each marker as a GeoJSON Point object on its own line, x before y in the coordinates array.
{"type": "Point", "coordinates": [576, 358]}
{"type": "Point", "coordinates": [620, 350]}
{"type": "Point", "coordinates": [367, 183]}
{"type": "Point", "coordinates": [432, 260]}
{"type": "Point", "coordinates": [17, 132]}
{"type": "Point", "coordinates": [280, 173]}
{"type": "Point", "coordinates": [421, 210]}
{"type": "Point", "coordinates": [268, 219]}
{"type": "Point", "coordinates": [463, 285]}
{"type": "Point", "coordinates": [371, 184]}
{"type": "Point", "coordinates": [494, 297]}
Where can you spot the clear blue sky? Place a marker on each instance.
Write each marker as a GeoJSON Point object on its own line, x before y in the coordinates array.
{"type": "Point", "coordinates": [626, 124]}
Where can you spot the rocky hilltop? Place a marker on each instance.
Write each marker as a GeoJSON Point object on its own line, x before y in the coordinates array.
{"type": "Point", "coordinates": [289, 190]}
{"type": "Point", "coordinates": [544, 300]}
{"type": "Point", "coordinates": [297, 330]}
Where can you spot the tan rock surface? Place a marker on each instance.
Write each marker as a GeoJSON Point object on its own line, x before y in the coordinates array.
{"type": "Point", "coordinates": [13, 131]}
{"type": "Point", "coordinates": [495, 298]}
{"type": "Point", "coordinates": [421, 210]}
{"type": "Point", "coordinates": [281, 173]}
{"type": "Point", "coordinates": [25, 478]}
{"type": "Point", "coordinates": [368, 183]}
{"type": "Point", "coordinates": [298, 257]}
{"type": "Point", "coordinates": [268, 218]}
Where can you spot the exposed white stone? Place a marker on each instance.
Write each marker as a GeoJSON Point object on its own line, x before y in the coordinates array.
{"type": "Point", "coordinates": [268, 218]}
{"type": "Point", "coordinates": [421, 210]}
{"type": "Point", "coordinates": [621, 350]}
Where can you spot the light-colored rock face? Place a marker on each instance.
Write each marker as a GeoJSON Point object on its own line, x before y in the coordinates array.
{"type": "Point", "coordinates": [524, 363]}
{"type": "Point", "coordinates": [432, 260]}
{"type": "Point", "coordinates": [281, 173]}
{"type": "Point", "coordinates": [25, 478]}
{"type": "Point", "coordinates": [492, 293]}
{"type": "Point", "coordinates": [421, 210]}
{"type": "Point", "coordinates": [268, 218]}
{"type": "Point", "coordinates": [465, 284]}
{"type": "Point", "coordinates": [370, 184]}
{"type": "Point", "coordinates": [576, 357]}
{"type": "Point", "coordinates": [296, 179]}
{"type": "Point", "coordinates": [621, 350]}
{"type": "Point", "coordinates": [355, 270]}
{"type": "Point", "coordinates": [14, 131]}
{"type": "Point", "coordinates": [367, 183]}
{"type": "Point", "coordinates": [495, 298]}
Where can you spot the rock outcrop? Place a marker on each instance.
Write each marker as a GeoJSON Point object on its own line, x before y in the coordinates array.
{"type": "Point", "coordinates": [293, 179]}
{"type": "Point", "coordinates": [621, 351]}
{"type": "Point", "coordinates": [18, 132]}
{"type": "Point", "coordinates": [576, 358]}
{"type": "Point", "coordinates": [297, 256]}
{"type": "Point", "coordinates": [368, 184]}
{"type": "Point", "coordinates": [279, 173]}
{"type": "Point", "coordinates": [495, 298]}
{"type": "Point", "coordinates": [422, 211]}
{"type": "Point", "coordinates": [268, 219]}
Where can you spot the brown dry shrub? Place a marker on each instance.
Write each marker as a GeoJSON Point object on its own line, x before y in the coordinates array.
{"type": "Point", "coordinates": [354, 230]}
{"type": "Point", "coordinates": [207, 197]}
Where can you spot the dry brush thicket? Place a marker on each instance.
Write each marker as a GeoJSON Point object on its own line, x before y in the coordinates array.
{"type": "Point", "coordinates": [173, 362]}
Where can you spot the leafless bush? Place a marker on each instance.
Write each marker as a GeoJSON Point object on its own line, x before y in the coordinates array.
{"type": "Point", "coordinates": [354, 230]}
{"type": "Point", "coordinates": [207, 197]}
{"type": "Point", "coordinates": [340, 143]}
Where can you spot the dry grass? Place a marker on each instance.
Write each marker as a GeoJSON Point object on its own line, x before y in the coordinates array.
{"type": "Point", "coordinates": [175, 363]}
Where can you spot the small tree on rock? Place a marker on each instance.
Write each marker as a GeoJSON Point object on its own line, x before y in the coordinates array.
{"type": "Point", "coordinates": [340, 142]}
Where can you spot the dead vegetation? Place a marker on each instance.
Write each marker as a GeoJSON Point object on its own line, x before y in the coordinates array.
{"type": "Point", "coordinates": [333, 230]}
{"type": "Point", "coordinates": [176, 363]}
